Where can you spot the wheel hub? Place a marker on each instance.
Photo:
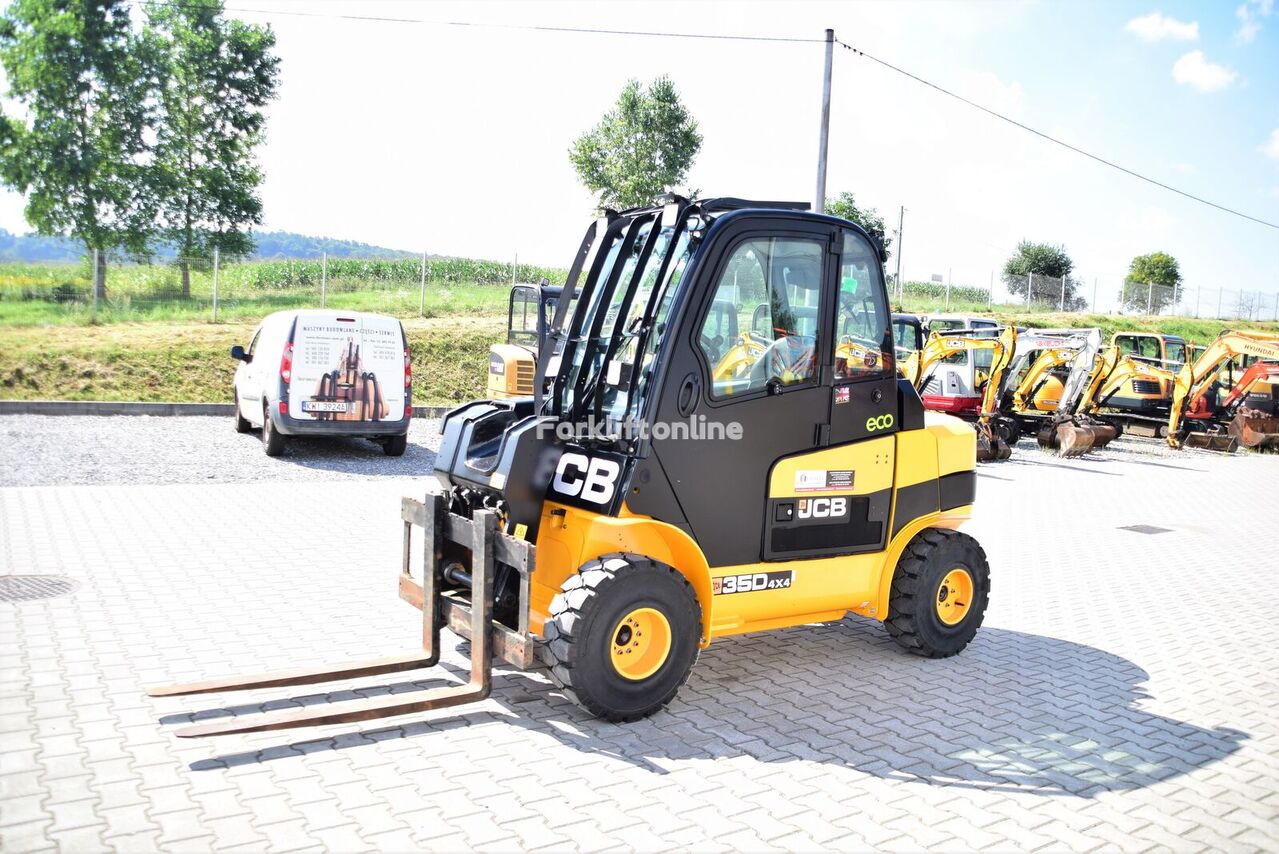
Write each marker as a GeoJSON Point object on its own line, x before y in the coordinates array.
{"type": "Point", "coordinates": [954, 596]}
{"type": "Point", "coordinates": [641, 643]}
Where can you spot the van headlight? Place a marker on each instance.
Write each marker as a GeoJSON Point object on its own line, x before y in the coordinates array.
{"type": "Point", "coordinates": [496, 364]}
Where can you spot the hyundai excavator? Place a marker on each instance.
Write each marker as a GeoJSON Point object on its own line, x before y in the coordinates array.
{"type": "Point", "coordinates": [1229, 421]}
{"type": "Point", "coordinates": [996, 433]}
{"type": "Point", "coordinates": [651, 502]}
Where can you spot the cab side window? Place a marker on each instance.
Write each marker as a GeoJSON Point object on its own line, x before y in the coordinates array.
{"type": "Point", "coordinates": [863, 343]}
{"type": "Point", "coordinates": [761, 326]}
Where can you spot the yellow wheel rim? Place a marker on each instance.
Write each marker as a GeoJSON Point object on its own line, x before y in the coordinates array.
{"type": "Point", "coordinates": [954, 596]}
{"type": "Point", "coordinates": [640, 644]}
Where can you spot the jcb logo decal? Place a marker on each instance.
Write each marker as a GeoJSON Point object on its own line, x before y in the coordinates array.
{"type": "Point", "coordinates": [823, 508]}
{"type": "Point", "coordinates": [879, 422]}
{"type": "Point", "coordinates": [580, 476]}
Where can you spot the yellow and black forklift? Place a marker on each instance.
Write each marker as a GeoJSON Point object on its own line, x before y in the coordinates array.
{"type": "Point", "coordinates": [650, 502]}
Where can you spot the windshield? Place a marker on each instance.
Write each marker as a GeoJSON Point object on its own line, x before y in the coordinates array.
{"type": "Point", "coordinates": [621, 310]}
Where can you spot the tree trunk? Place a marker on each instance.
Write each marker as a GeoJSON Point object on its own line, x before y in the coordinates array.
{"type": "Point", "coordinates": [185, 266]}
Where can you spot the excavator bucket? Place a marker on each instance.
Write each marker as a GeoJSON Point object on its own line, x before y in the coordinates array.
{"type": "Point", "coordinates": [1073, 438]}
{"type": "Point", "coordinates": [1223, 442]}
{"type": "Point", "coordinates": [470, 618]}
{"type": "Point", "coordinates": [990, 445]}
{"type": "Point", "coordinates": [1254, 429]}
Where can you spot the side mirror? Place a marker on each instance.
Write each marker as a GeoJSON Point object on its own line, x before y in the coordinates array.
{"type": "Point", "coordinates": [237, 352]}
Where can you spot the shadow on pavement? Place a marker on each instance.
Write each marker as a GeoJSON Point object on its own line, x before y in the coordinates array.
{"type": "Point", "coordinates": [354, 456]}
{"type": "Point", "coordinates": [1014, 712]}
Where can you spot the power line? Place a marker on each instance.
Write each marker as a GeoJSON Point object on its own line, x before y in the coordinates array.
{"type": "Point", "coordinates": [1054, 139]}
{"type": "Point", "coordinates": [527, 27]}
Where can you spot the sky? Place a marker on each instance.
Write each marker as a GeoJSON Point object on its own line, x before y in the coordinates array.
{"type": "Point", "coordinates": [454, 139]}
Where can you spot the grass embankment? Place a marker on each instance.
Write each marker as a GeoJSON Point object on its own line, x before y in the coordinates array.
{"type": "Point", "coordinates": [185, 362]}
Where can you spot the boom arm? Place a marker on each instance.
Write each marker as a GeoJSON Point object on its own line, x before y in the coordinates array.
{"type": "Point", "coordinates": [1195, 377]}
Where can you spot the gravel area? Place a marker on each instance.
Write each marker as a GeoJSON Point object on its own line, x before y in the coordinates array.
{"type": "Point", "coordinates": [42, 450]}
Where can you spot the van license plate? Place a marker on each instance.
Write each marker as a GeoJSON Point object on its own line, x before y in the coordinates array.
{"type": "Point", "coordinates": [324, 406]}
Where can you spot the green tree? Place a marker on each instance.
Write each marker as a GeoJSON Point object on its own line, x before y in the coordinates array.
{"type": "Point", "coordinates": [1050, 266]}
{"type": "Point", "coordinates": [643, 147]}
{"type": "Point", "coordinates": [215, 77]}
{"type": "Point", "coordinates": [1158, 269]}
{"type": "Point", "coordinates": [845, 207]}
{"type": "Point", "coordinates": [76, 146]}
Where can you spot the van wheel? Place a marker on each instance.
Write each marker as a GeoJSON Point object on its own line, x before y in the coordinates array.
{"type": "Point", "coordinates": [272, 439]}
{"type": "Point", "coordinates": [393, 446]}
{"type": "Point", "coordinates": [623, 635]}
{"type": "Point", "coordinates": [939, 593]}
{"type": "Point", "coordinates": [242, 424]}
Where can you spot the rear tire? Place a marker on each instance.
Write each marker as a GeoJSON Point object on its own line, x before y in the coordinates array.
{"type": "Point", "coordinates": [595, 642]}
{"type": "Point", "coordinates": [394, 446]}
{"type": "Point", "coordinates": [939, 594]}
{"type": "Point", "coordinates": [242, 424]}
{"type": "Point", "coordinates": [272, 439]}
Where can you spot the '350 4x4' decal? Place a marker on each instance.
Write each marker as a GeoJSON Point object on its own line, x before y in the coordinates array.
{"type": "Point", "coordinates": [751, 582]}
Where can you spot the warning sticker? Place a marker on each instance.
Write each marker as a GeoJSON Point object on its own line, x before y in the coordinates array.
{"type": "Point", "coordinates": [820, 480]}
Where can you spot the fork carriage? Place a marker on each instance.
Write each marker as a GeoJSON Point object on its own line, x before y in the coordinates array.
{"type": "Point", "coordinates": [439, 596]}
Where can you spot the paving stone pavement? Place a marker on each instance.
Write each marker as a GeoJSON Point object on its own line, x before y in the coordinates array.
{"type": "Point", "coordinates": [1122, 694]}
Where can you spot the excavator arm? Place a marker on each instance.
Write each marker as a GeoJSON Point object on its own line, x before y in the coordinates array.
{"type": "Point", "coordinates": [991, 443]}
{"type": "Point", "coordinates": [1195, 378]}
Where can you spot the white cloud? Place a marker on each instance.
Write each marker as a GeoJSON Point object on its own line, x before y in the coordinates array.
{"type": "Point", "coordinates": [1270, 147]}
{"type": "Point", "coordinates": [1250, 13]}
{"type": "Point", "coordinates": [1196, 71]}
{"type": "Point", "coordinates": [1155, 27]}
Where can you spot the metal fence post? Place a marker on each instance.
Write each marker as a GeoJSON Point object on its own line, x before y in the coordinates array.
{"type": "Point", "coordinates": [1198, 294]}
{"type": "Point", "coordinates": [515, 265]}
{"type": "Point", "coordinates": [1062, 306]}
{"type": "Point", "coordinates": [324, 278]}
{"type": "Point", "coordinates": [1030, 283]}
{"type": "Point", "coordinates": [1276, 306]}
{"type": "Point", "coordinates": [421, 305]}
{"type": "Point", "coordinates": [949, 273]}
{"type": "Point", "coordinates": [1094, 294]}
{"type": "Point", "coordinates": [1220, 292]}
{"type": "Point", "coordinates": [215, 284]}
{"type": "Point", "coordinates": [1258, 307]}
{"type": "Point", "coordinates": [990, 294]}
{"type": "Point", "coordinates": [1150, 295]}
{"type": "Point", "coordinates": [94, 286]}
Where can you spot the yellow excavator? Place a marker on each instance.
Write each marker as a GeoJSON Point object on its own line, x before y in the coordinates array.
{"type": "Point", "coordinates": [652, 500]}
{"type": "Point", "coordinates": [996, 433]}
{"type": "Point", "coordinates": [513, 362]}
{"type": "Point", "coordinates": [1048, 383]}
{"type": "Point", "coordinates": [1224, 420]}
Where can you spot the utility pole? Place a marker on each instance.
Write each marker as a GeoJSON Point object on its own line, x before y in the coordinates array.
{"type": "Point", "coordinates": [949, 272]}
{"type": "Point", "coordinates": [901, 216]}
{"type": "Point", "coordinates": [324, 278]}
{"type": "Point", "coordinates": [1094, 294]}
{"type": "Point", "coordinates": [823, 138]}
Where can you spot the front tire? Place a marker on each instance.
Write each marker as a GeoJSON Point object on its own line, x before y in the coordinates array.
{"type": "Point", "coordinates": [242, 424]}
{"type": "Point", "coordinates": [272, 439]}
{"type": "Point", "coordinates": [939, 594]}
{"type": "Point", "coordinates": [623, 636]}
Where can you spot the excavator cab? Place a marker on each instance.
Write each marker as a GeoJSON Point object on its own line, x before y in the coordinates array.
{"type": "Point", "coordinates": [652, 500]}
{"type": "Point", "coordinates": [513, 363]}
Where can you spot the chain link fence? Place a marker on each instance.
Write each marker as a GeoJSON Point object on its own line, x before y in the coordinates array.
{"type": "Point", "coordinates": [1084, 295]}
{"type": "Point", "coordinates": [217, 290]}
{"type": "Point", "coordinates": [428, 286]}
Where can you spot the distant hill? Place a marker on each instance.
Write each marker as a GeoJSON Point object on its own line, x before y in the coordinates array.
{"type": "Point", "coordinates": [271, 245]}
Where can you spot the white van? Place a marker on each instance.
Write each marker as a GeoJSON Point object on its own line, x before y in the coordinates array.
{"type": "Point", "coordinates": [316, 372]}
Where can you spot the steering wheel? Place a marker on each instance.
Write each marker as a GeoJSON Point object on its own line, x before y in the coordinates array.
{"type": "Point", "coordinates": [790, 358]}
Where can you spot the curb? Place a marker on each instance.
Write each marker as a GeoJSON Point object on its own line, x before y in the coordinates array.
{"type": "Point", "coordinates": [123, 407]}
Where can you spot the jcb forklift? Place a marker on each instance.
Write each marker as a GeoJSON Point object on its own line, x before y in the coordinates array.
{"type": "Point", "coordinates": [650, 502]}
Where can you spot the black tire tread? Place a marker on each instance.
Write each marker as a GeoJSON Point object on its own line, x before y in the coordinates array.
{"type": "Point", "coordinates": [904, 596]}
{"type": "Point", "coordinates": [568, 611]}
